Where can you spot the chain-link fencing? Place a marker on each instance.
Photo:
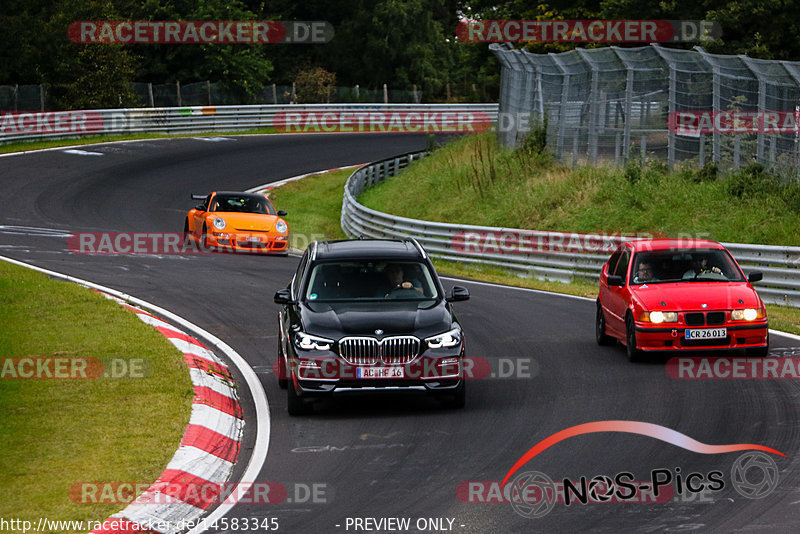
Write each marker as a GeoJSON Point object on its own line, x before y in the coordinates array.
{"type": "Point", "coordinates": [617, 104]}
{"type": "Point", "coordinates": [151, 95]}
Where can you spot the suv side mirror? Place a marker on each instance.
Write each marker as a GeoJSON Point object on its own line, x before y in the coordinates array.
{"type": "Point", "coordinates": [755, 276]}
{"type": "Point", "coordinates": [615, 280]}
{"type": "Point", "coordinates": [282, 213]}
{"type": "Point", "coordinates": [283, 296]}
{"type": "Point", "coordinates": [458, 293]}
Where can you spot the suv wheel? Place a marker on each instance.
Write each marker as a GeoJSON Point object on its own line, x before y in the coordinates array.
{"type": "Point", "coordinates": [283, 383]}
{"type": "Point", "coordinates": [296, 405]}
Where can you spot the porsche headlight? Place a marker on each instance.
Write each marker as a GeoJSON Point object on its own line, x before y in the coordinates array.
{"type": "Point", "coordinates": [281, 227]}
{"type": "Point", "coordinates": [747, 314]}
{"type": "Point", "coordinates": [658, 317]}
{"type": "Point", "coordinates": [308, 342]}
{"type": "Point", "coordinates": [219, 223]}
{"type": "Point", "coordinates": [448, 339]}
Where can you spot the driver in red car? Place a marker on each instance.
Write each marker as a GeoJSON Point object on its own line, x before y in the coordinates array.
{"type": "Point", "coordinates": [644, 273]}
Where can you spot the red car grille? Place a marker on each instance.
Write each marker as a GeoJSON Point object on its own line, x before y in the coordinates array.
{"type": "Point", "coordinates": [704, 318]}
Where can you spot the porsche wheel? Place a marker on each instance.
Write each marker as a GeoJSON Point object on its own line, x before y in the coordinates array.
{"type": "Point", "coordinates": [634, 354]}
{"type": "Point", "coordinates": [600, 328]}
{"type": "Point", "coordinates": [186, 236]}
{"type": "Point", "coordinates": [205, 243]}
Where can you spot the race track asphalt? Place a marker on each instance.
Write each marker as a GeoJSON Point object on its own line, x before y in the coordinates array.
{"type": "Point", "coordinates": [382, 456]}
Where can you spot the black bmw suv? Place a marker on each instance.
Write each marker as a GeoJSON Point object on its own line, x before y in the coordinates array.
{"type": "Point", "coordinates": [368, 314]}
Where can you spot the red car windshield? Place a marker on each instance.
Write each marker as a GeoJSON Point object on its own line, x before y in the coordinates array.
{"type": "Point", "coordinates": [665, 266]}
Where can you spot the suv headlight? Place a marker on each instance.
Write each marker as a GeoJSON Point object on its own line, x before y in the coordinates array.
{"type": "Point", "coordinates": [305, 341]}
{"type": "Point", "coordinates": [219, 223]}
{"type": "Point", "coordinates": [281, 227]}
{"type": "Point", "coordinates": [448, 339]}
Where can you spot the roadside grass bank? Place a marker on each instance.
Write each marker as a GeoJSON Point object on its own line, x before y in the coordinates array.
{"type": "Point", "coordinates": [25, 146]}
{"type": "Point", "coordinates": [314, 205]}
{"type": "Point", "coordinates": [61, 432]}
{"type": "Point", "coordinates": [479, 183]}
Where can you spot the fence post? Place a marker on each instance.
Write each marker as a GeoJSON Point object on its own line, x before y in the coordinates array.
{"type": "Point", "coordinates": [644, 149]}
{"type": "Point", "coordinates": [16, 97]}
{"type": "Point", "coordinates": [385, 94]}
{"type": "Point", "coordinates": [208, 92]}
{"type": "Point", "coordinates": [274, 94]}
{"type": "Point", "coordinates": [178, 91]}
{"type": "Point", "coordinates": [150, 94]}
{"type": "Point", "coordinates": [41, 97]}
{"type": "Point", "coordinates": [626, 140]}
{"type": "Point", "coordinates": [737, 143]}
{"type": "Point", "coordinates": [702, 152]}
{"type": "Point", "coordinates": [671, 137]}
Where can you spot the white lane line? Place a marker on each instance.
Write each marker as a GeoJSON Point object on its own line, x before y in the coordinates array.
{"type": "Point", "coordinates": [33, 230]}
{"type": "Point", "coordinates": [78, 152]}
{"type": "Point", "coordinates": [261, 446]}
{"type": "Point", "coordinates": [213, 139]}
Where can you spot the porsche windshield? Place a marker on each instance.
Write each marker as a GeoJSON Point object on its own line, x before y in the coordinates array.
{"type": "Point", "coordinates": [370, 281]}
{"type": "Point", "coordinates": [241, 204]}
{"type": "Point", "coordinates": [708, 265]}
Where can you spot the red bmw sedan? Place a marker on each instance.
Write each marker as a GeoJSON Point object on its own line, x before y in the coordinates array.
{"type": "Point", "coordinates": [678, 294]}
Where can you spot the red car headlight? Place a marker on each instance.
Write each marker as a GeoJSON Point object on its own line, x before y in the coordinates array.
{"type": "Point", "coordinates": [658, 317]}
{"type": "Point", "coordinates": [747, 314]}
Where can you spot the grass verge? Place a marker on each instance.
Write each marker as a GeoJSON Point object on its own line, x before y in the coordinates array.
{"type": "Point", "coordinates": [59, 432]}
{"type": "Point", "coordinates": [560, 197]}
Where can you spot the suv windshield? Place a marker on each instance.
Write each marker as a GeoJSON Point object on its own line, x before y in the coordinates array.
{"type": "Point", "coordinates": [370, 281]}
{"type": "Point", "coordinates": [663, 266]}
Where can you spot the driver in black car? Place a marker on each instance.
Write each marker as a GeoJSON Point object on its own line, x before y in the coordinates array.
{"type": "Point", "coordinates": [397, 281]}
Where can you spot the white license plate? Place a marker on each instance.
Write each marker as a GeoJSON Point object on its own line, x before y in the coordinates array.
{"type": "Point", "coordinates": [251, 239]}
{"type": "Point", "coordinates": [707, 333]}
{"type": "Point", "coordinates": [380, 372]}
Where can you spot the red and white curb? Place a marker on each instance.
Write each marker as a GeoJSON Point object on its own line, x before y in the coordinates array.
{"type": "Point", "coordinates": [207, 453]}
{"type": "Point", "coordinates": [202, 419]}
{"type": "Point", "coordinates": [266, 188]}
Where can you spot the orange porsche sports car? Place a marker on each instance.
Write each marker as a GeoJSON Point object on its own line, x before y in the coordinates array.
{"type": "Point", "coordinates": [242, 222]}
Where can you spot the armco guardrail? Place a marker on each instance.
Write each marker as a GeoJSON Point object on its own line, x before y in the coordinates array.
{"type": "Point", "coordinates": [24, 126]}
{"type": "Point", "coordinates": [546, 255]}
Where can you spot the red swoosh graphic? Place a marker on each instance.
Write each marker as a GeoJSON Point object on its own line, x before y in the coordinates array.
{"type": "Point", "coordinates": [635, 427]}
